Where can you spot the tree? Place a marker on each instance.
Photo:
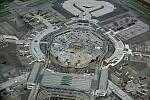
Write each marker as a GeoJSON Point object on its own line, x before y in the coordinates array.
{"type": "Point", "coordinates": [1, 1]}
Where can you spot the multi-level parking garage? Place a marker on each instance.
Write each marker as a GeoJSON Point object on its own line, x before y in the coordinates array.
{"type": "Point", "coordinates": [54, 94]}
{"type": "Point", "coordinates": [95, 8]}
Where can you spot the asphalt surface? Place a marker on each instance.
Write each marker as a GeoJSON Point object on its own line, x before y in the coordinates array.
{"type": "Point", "coordinates": [9, 56]}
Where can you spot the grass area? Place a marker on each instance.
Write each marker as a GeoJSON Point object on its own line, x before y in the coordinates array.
{"type": "Point", "coordinates": [37, 2]}
{"type": "Point", "coordinates": [3, 6]}
{"type": "Point", "coordinates": [144, 3]}
{"type": "Point", "coordinates": [3, 9]}
{"type": "Point", "coordinates": [4, 13]}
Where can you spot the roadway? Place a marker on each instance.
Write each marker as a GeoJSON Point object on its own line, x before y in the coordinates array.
{"type": "Point", "coordinates": [119, 50]}
{"type": "Point", "coordinates": [35, 43]}
{"type": "Point", "coordinates": [14, 81]}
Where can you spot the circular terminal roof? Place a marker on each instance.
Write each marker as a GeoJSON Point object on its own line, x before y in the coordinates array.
{"type": "Point", "coordinates": [77, 48]}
